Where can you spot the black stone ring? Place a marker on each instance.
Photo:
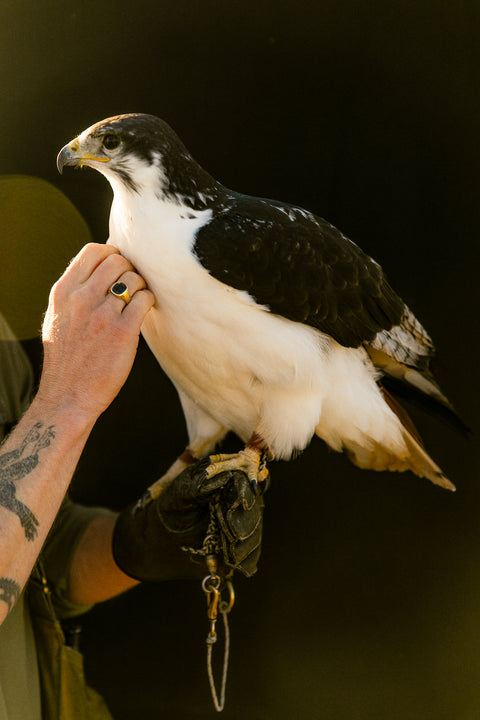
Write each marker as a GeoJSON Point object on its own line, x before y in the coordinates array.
{"type": "Point", "coordinates": [120, 290]}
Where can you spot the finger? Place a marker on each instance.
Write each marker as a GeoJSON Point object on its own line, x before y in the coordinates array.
{"type": "Point", "coordinates": [107, 273]}
{"type": "Point", "coordinates": [138, 307]}
{"type": "Point", "coordinates": [87, 260]}
{"type": "Point", "coordinates": [134, 283]}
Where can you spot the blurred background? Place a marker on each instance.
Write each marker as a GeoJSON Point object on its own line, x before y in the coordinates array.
{"type": "Point", "coordinates": [366, 605]}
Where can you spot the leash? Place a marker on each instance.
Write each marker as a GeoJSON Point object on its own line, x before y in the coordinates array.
{"type": "Point", "coordinates": [214, 585]}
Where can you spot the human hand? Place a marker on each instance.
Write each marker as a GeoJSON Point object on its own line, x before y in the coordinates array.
{"type": "Point", "coordinates": [90, 337]}
{"type": "Point", "coordinates": [179, 517]}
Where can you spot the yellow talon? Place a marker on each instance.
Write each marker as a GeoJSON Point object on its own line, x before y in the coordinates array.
{"type": "Point", "coordinates": [247, 460]}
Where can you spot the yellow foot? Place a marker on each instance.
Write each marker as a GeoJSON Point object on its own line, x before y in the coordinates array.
{"type": "Point", "coordinates": [250, 460]}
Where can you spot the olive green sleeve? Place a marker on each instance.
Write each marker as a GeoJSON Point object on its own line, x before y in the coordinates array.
{"type": "Point", "coordinates": [16, 379]}
{"type": "Point", "coordinates": [59, 549]}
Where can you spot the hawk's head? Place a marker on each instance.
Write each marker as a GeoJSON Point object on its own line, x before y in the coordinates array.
{"type": "Point", "coordinates": [140, 151]}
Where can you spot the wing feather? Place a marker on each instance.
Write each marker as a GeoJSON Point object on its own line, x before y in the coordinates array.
{"type": "Point", "coordinates": [300, 267]}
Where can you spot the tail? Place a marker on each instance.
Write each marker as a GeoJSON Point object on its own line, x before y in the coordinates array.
{"type": "Point", "coordinates": [410, 454]}
{"type": "Point", "coordinates": [418, 386]}
{"type": "Point", "coordinates": [422, 464]}
{"type": "Point", "coordinates": [419, 461]}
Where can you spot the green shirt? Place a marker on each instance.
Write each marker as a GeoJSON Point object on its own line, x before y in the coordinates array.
{"type": "Point", "coordinates": [19, 682]}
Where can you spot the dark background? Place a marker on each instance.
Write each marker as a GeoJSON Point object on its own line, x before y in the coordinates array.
{"type": "Point", "coordinates": [367, 602]}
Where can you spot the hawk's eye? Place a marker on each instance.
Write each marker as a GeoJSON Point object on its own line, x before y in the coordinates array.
{"type": "Point", "coordinates": [110, 141]}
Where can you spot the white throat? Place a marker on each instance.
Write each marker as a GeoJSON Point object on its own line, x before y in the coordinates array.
{"type": "Point", "coordinates": [152, 230]}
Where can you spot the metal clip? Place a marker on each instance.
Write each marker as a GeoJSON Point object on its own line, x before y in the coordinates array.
{"type": "Point", "coordinates": [211, 588]}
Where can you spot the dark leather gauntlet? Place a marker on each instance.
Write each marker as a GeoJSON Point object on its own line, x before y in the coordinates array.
{"type": "Point", "coordinates": [239, 512]}
{"type": "Point", "coordinates": [148, 542]}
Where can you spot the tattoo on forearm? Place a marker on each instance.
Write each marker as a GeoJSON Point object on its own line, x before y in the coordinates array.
{"type": "Point", "coordinates": [9, 592]}
{"type": "Point", "coordinates": [15, 465]}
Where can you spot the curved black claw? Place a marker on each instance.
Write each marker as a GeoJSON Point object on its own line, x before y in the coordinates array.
{"type": "Point", "coordinates": [202, 468]}
{"type": "Point", "coordinates": [142, 502]}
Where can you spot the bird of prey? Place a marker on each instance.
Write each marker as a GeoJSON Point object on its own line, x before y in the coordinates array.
{"type": "Point", "coordinates": [268, 320]}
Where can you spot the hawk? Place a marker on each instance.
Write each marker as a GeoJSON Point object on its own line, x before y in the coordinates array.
{"type": "Point", "coordinates": [268, 320]}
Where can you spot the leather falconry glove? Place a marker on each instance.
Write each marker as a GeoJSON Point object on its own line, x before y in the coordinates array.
{"type": "Point", "coordinates": [148, 541]}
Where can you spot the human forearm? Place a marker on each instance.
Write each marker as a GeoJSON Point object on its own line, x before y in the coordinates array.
{"type": "Point", "coordinates": [37, 461]}
{"type": "Point", "coordinates": [94, 575]}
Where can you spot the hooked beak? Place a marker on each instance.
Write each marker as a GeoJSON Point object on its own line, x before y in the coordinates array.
{"type": "Point", "coordinates": [71, 155]}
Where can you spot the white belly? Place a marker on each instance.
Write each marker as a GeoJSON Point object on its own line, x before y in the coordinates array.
{"type": "Point", "coordinates": [248, 369]}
